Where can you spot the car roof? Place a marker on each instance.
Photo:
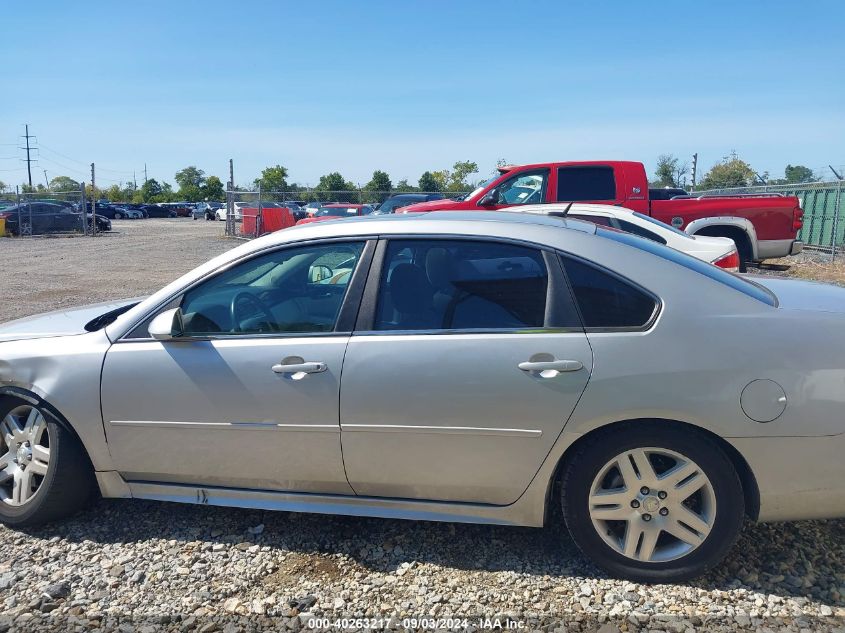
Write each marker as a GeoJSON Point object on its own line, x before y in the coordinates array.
{"type": "Point", "coordinates": [576, 207]}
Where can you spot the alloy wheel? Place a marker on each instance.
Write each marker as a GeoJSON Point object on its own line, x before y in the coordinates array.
{"type": "Point", "coordinates": [652, 505]}
{"type": "Point", "coordinates": [24, 454]}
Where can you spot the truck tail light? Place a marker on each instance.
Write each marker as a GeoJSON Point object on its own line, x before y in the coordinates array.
{"type": "Point", "coordinates": [729, 262]}
{"type": "Point", "coordinates": [797, 219]}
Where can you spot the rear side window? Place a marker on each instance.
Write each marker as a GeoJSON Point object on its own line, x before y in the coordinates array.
{"type": "Point", "coordinates": [459, 285]}
{"type": "Point", "coordinates": [585, 183]}
{"type": "Point", "coordinates": [636, 229]}
{"type": "Point", "coordinates": [605, 300]}
{"type": "Point", "coordinates": [746, 287]}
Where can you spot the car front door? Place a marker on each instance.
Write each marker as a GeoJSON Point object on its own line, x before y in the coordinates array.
{"type": "Point", "coordinates": [466, 364]}
{"type": "Point", "coordinates": [247, 396]}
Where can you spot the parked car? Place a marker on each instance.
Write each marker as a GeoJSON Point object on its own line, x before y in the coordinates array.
{"type": "Point", "coordinates": [121, 212]}
{"type": "Point", "coordinates": [158, 211]}
{"type": "Point", "coordinates": [336, 211]}
{"type": "Point", "coordinates": [403, 200]}
{"type": "Point", "coordinates": [182, 209]}
{"type": "Point", "coordinates": [103, 223]}
{"type": "Point", "coordinates": [720, 251]}
{"type": "Point", "coordinates": [761, 225]}
{"type": "Point", "coordinates": [656, 400]}
{"type": "Point", "coordinates": [40, 217]}
{"type": "Point", "coordinates": [206, 210]}
{"type": "Point", "coordinates": [312, 207]}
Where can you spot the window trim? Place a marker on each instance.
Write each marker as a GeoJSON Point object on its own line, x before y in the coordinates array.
{"type": "Point", "coordinates": [555, 287]}
{"type": "Point", "coordinates": [346, 314]}
{"type": "Point", "coordinates": [647, 326]}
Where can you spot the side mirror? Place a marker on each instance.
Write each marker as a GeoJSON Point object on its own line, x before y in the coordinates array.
{"type": "Point", "coordinates": [167, 325]}
{"type": "Point", "coordinates": [490, 198]}
{"type": "Point", "coordinates": [319, 273]}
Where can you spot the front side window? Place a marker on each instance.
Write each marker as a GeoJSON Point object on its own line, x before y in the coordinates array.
{"type": "Point", "coordinates": [290, 290]}
{"type": "Point", "coordinates": [584, 183]}
{"type": "Point", "coordinates": [606, 301]}
{"type": "Point", "coordinates": [524, 188]}
{"type": "Point", "coordinates": [461, 284]}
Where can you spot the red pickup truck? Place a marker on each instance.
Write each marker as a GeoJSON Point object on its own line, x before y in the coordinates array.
{"type": "Point", "coordinates": [763, 226]}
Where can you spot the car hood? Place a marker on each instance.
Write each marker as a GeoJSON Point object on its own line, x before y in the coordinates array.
{"type": "Point", "coordinates": [60, 322]}
{"type": "Point", "coordinates": [431, 205]}
{"type": "Point", "coordinates": [797, 294]}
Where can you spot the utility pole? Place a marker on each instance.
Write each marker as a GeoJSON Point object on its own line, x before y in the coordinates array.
{"type": "Point", "coordinates": [93, 202]}
{"type": "Point", "coordinates": [46, 182]}
{"type": "Point", "coordinates": [145, 173]}
{"type": "Point", "coordinates": [27, 136]}
{"type": "Point", "coordinates": [694, 165]}
{"type": "Point", "coordinates": [134, 181]}
{"type": "Point", "coordinates": [230, 201]}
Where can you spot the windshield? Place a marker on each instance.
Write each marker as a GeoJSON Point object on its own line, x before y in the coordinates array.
{"type": "Point", "coordinates": [479, 188]}
{"type": "Point", "coordinates": [662, 225]}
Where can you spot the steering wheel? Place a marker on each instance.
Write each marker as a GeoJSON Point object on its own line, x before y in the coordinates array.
{"type": "Point", "coordinates": [244, 298]}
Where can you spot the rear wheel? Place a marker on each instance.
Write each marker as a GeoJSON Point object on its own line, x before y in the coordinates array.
{"type": "Point", "coordinates": [44, 473]}
{"type": "Point", "coordinates": [652, 502]}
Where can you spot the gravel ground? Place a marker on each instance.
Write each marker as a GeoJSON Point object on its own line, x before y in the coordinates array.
{"type": "Point", "coordinates": [145, 566]}
{"type": "Point", "coordinates": [138, 257]}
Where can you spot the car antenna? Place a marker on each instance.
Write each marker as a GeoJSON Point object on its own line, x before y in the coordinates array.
{"type": "Point", "coordinates": [566, 210]}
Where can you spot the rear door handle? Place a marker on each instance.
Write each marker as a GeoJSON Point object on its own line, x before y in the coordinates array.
{"type": "Point", "coordinates": [554, 365]}
{"type": "Point", "coordinates": [300, 368]}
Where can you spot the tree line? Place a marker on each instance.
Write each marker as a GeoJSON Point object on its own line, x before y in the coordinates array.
{"type": "Point", "coordinates": [193, 185]}
{"type": "Point", "coordinates": [731, 171]}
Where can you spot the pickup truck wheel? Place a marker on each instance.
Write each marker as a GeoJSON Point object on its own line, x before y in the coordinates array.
{"type": "Point", "coordinates": [44, 472]}
{"type": "Point", "coordinates": [652, 503]}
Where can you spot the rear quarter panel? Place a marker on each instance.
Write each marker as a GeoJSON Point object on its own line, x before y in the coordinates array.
{"type": "Point", "coordinates": [771, 217]}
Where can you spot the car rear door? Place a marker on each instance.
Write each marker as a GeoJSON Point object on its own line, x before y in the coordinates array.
{"type": "Point", "coordinates": [466, 364]}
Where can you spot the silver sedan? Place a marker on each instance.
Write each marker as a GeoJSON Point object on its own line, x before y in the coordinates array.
{"type": "Point", "coordinates": [483, 367]}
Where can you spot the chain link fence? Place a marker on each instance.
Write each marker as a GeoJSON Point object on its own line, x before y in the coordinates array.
{"type": "Point", "coordinates": [824, 210]}
{"type": "Point", "coordinates": [250, 214]}
{"type": "Point", "coordinates": [45, 212]}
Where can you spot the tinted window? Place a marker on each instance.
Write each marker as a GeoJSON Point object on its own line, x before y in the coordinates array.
{"type": "Point", "coordinates": [636, 229]}
{"type": "Point", "coordinates": [291, 290]}
{"type": "Point", "coordinates": [606, 301]}
{"type": "Point", "coordinates": [601, 220]}
{"type": "Point", "coordinates": [451, 284]}
{"type": "Point", "coordinates": [585, 183]}
{"type": "Point", "coordinates": [687, 261]}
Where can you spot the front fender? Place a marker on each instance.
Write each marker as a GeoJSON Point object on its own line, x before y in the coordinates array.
{"type": "Point", "coordinates": [62, 374]}
{"type": "Point", "coordinates": [743, 224]}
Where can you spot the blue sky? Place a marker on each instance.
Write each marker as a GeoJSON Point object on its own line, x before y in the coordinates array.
{"type": "Point", "coordinates": [324, 86]}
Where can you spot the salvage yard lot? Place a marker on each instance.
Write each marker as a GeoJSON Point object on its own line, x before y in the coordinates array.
{"type": "Point", "coordinates": [184, 567]}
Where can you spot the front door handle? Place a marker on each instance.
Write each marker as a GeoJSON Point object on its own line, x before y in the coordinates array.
{"type": "Point", "coordinates": [551, 365]}
{"type": "Point", "coordinates": [300, 368]}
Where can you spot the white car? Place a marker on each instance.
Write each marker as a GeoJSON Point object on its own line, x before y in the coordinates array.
{"type": "Point", "coordinates": [237, 214]}
{"type": "Point", "coordinates": [720, 251]}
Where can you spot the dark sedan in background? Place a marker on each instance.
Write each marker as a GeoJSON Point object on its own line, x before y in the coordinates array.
{"type": "Point", "coordinates": [36, 218]}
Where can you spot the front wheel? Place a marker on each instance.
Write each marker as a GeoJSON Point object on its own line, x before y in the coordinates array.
{"type": "Point", "coordinates": [44, 473]}
{"type": "Point", "coordinates": [652, 502]}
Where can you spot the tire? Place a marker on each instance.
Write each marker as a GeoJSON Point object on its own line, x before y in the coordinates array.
{"type": "Point", "coordinates": [118, 216]}
{"type": "Point", "coordinates": [68, 479]}
{"type": "Point", "coordinates": [743, 248]}
{"type": "Point", "coordinates": [602, 535]}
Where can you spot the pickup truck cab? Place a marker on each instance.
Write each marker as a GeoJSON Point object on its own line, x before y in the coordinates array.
{"type": "Point", "coordinates": [762, 226]}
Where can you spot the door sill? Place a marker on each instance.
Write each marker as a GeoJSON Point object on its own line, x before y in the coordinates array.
{"type": "Point", "coordinates": [331, 504]}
